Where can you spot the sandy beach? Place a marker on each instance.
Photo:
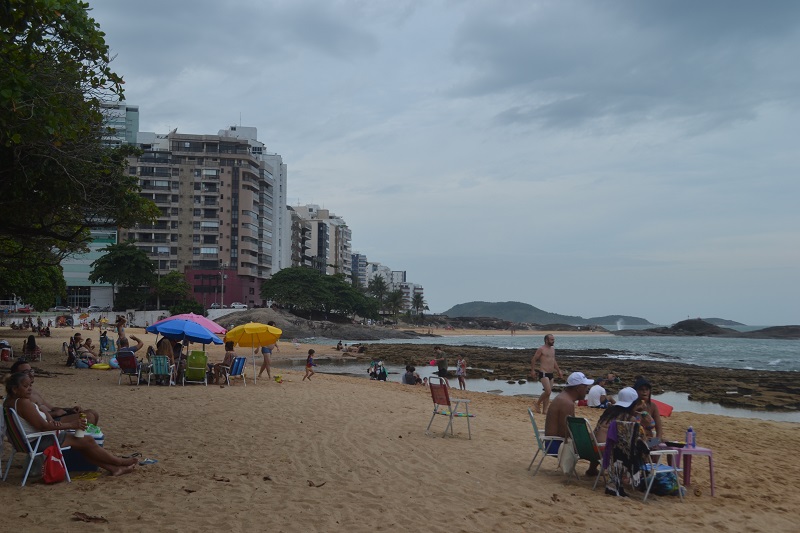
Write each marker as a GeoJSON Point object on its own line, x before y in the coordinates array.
{"type": "Point", "coordinates": [347, 454]}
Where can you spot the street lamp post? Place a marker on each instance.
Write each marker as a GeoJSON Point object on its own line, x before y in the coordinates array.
{"type": "Point", "coordinates": [158, 287]}
{"type": "Point", "coordinates": [222, 277]}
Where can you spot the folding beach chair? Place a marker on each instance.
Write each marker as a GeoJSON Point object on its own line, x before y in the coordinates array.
{"type": "Point", "coordinates": [32, 444]}
{"type": "Point", "coordinates": [547, 445]}
{"type": "Point", "coordinates": [196, 368]}
{"type": "Point", "coordinates": [129, 366]}
{"type": "Point", "coordinates": [161, 369]}
{"type": "Point", "coordinates": [628, 457]}
{"type": "Point", "coordinates": [446, 406]}
{"type": "Point", "coordinates": [236, 370]}
{"type": "Point", "coordinates": [585, 445]}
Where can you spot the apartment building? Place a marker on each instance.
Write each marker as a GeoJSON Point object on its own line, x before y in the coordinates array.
{"type": "Point", "coordinates": [121, 121]}
{"type": "Point", "coordinates": [330, 240]}
{"type": "Point", "coordinates": [300, 240]}
{"type": "Point", "coordinates": [223, 219]}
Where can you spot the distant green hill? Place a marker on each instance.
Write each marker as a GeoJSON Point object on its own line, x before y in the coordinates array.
{"type": "Point", "coordinates": [521, 312]}
{"type": "Point", "coordinates": [722, 322]}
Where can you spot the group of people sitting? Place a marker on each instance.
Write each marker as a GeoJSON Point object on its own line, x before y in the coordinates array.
{"type": "Point", "coordinates": [36, 415]}
{"type": "Point", "coordinates": [353, 348]}
{"type": "Point", "coordinates": [411, 377]}
{"type": "Point", "coordinates": [84, 353]}
{"type": "Point", "coordinates": [633, 404]}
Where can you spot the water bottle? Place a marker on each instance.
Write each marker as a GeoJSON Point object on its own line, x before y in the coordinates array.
{"type": "Point", "coordinates": [690, 437]}
{"type": "Point", "coordinates": [694, 439]}
{"type": "Point", "coordinates": [79, 433]}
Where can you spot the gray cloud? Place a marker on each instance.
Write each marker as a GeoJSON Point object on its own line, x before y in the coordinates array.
{"type": "Point", "coordinates": [572, 61]}
{"type": "Point", "coordinates": [640, 156]}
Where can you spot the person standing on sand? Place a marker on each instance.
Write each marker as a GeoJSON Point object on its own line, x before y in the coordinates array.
{"type": "Point", "coordinates": [461, 372]}
{"type": "Point", "coordinates": [266, 354]}
{"type": "Point", "coordinates": [546, 357]}
{"type": "Point", "coordinates": [309, 365]}
{"type": "Point", "coordinates": [121, 321]}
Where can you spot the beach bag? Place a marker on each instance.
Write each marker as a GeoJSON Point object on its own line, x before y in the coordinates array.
{"type": "Point", "coordinates": [567, 459]}
{"type": "Point", "coordinates": [53, 470]}
{"type": "Point", "coordinates": [665, 484]}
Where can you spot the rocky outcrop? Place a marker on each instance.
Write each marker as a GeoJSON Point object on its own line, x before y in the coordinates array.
{"type": "Point", "coordinates": [751, 389]}
{"type": "Point", "coordinates": [700, 328]}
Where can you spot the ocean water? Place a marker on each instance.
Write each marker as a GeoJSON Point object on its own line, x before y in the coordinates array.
{"type": "Point", "coordinates": [753, 354]}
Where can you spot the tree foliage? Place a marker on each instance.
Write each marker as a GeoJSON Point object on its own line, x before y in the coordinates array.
{"type": "Point", "coordinates": [395, 301]}
{"type": "Point", "coordinates": [173, 288]}
{"type": "Point", "coordinates": [378, 288]}
{"type": "Point", "coordinates": [57, 179]}
{"type": "Point", "coordinates": [126, 266]}
{"type": "Point", "coordinates": [38, 286]}
{"type": "Point", "coordinates": [307, 290]}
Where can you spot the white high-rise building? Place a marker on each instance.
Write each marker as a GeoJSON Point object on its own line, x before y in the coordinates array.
{"type": "Point", "coordinates": [330, 242]}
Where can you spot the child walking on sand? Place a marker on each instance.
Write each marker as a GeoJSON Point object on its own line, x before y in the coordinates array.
{"type": "Point", "coordinates": [309, 365]}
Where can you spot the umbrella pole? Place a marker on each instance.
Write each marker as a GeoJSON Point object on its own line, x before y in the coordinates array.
{"type": "Point", "coordinates": [255, 377]}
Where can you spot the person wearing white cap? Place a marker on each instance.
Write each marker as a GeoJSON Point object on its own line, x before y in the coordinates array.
{"type": "Point", "coordinates": [627, 408]}
{"type": "Point", "coordinates": [564, 404]}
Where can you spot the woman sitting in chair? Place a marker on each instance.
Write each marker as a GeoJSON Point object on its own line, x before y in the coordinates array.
{"type": "Point", "coordinates": [230, 355]}
{"type": "Point", "coordinates": [18, 388]}
{"type": "Point", "coordinates": [627, 409]}
{"type": "Point", "coordinates": [30, 351]}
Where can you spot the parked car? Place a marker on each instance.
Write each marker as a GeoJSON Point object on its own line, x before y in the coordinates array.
{"type": "Point", "coordinates": [97, 308]}
{"type": "Point", "coordinates": [61, 309]}
{"type": "Point", "coordinates": [215, 305]}
{"type": "Point", "coordinates": [238, 305]}
{"type": "Point", "coordinates": [25, 309]}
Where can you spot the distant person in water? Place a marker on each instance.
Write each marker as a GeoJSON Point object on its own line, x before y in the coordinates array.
{"type": "Point", "coordinates": [545, 356]}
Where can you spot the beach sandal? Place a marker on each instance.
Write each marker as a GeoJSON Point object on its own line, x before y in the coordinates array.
{"type": "Point", "coordinates": [134, 454]}
{"type": "Point", "coordinates": [148, 462]}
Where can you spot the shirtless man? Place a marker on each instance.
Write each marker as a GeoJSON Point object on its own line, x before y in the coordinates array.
{"type": "Point", "coordinates": [555, 424]}
{"type": "Point", "coordinates": [66, 414]}
{"type": "Point", "coordinates": [546, 356]}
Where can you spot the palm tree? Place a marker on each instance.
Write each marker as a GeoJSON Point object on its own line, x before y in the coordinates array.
{"type": "Point", "coordinates": [377, 287]}
{"type": "Point", "coordinates": [419, 304]}
{"type": "Point", "coordinates": [395, 301]}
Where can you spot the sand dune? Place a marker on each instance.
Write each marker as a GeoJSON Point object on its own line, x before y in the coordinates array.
{"type": "Point", "coordinates": [245, 459]}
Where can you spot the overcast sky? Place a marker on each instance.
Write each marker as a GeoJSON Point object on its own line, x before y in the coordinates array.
{"type": "Point", "coordinates": [585, 157]}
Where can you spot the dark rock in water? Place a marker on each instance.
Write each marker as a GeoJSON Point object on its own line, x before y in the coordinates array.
{"type": "Point", "coordinates": [511, 382]}
{"type": "Point", "coordinates": [522, 382]}
{"type": "Point", "coordinates": [778, 390]}
{"type": "Point", "coordinates": [700, 328]}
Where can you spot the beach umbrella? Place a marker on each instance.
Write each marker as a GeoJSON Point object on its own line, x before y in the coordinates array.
{"type": "Point", "coordinates": [210, 325]}
{"type": "Point", "coordinates": [254, 334]}
{"type": "Point", "coordinates": [181, 329]}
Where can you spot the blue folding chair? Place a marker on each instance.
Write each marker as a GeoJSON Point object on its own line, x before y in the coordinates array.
{"type": "Point", "coordinates": [236, 370]}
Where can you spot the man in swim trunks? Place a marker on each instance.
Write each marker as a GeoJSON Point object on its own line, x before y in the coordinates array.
{"type": "Point", "coordinates": [546, 357]}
